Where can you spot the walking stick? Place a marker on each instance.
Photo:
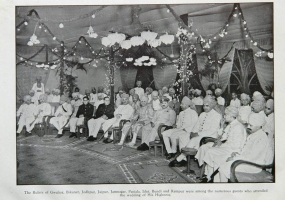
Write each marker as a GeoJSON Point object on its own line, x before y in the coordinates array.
{"type": "Point", "coordinates": [106, 131]}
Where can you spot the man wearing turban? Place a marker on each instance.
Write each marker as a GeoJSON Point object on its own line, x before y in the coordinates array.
{"type": "Point", "coordinates": [75, 103]}
{"type": "Point", "coordinates": [155, 102]}
{"type": "Point", "coordinates": [165, 116]}
{"type": "Point", "coordinates": [34, 98]}
{"type": "Point", "coordinates": [141, 118]}
{"type": "Point", "coordinates": [56, 96]}
{"type": "Point", "coordinates": [38, 87]}
{"type": "Point", "coordinates": [269, 127]}
{"type": "Point", "coordinates": [197, 98]}
{"type": "Point", "coordinates": [43, 109]}
{"type": "Point", "coordinates": [62, 115]}
{"type": "Point", "coordinates": [207, 126]}
{"type": "Point", "coordinates": [233, 137]}
{"type": "Point", "coordinates": [254, 150]}
{"type": "Point", "coordinates": [184, 125]}
{"type": "Point", "coordinates": [49, 96]}
{"type": "Point", "coordinates": [244, 109]}
{"type": "Point", "coordinates": [26, 114]}
{"type": "Point", "coordinates": [124, 111]}
{"type": "Point", "coordinates": [220, 99]}
{"type": "Point", "coordinates": [258, 106]}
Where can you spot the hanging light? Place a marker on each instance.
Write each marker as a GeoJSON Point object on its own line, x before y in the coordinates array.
{"type": "Point", "coordinates": [137, 41]}
{"type": "Point", "coordinates": [148, 35]}
{"type": "Point", "coordinates": [106, 41]}
{"type": "Point", "coordinates": [116, 38]}
{"type": "Point", "coordinates": [126, 44]}
{"type": "Point", "coordinates": [167, 39]}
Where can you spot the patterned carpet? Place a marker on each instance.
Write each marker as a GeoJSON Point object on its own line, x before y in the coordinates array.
{"type": "Point", "coordinates": [48, 160]}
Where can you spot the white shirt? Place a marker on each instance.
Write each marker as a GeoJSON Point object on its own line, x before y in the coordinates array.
{"type": "Point", "coordinates": [56, 99]}
{"type": "Point", "coordinates": [221, 101]}
{"type": "Point", "coordinates": [38, 90]}
{"type": "Point", "coordinates": [208, 124]}
{"type": "Point", "coordinates": [60, 110]}
{"type": "Point", "coordinates": [125, 110]}
{"type": "Point", "coordinates": [139, 91]}
{"type": "Point", "coordinates": [166, 116]}
{"type": "Point", "coordinates": [244, 112]}
{"type": "Point", "coordinates": [156, 105]}
{"type": "Point", "coordinates": [235, 103]}
{"type": "Point", "coordinates": [46, 109]}
{"type": "Point", "coordinates": [93, 98]}
{"type": "Point", "coordinates": [187, 119]}
{"type": "Point", "coordinates": [26, 110]}
{"type": "Point", "coordinates": [35, 100]}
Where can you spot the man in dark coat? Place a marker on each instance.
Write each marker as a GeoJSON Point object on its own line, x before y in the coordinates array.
{"type": "Point", "coordinates": [103, 113]}
{"type": "Point", "coordinates": [84, 113]}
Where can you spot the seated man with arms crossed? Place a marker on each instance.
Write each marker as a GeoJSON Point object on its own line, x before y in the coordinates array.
{"type": "Point", "coordinates": [185, 123]}
{"type": "Point", "coordinates": [62, 115]}
{"type": "Point", "coordinates": [207, 125]}
{"type": "Point", "coordinates": [165, 116]}
{"type": "Point", "coordinates": [104, 112]}
{"type": "Point", "coordinates": [84, 112]}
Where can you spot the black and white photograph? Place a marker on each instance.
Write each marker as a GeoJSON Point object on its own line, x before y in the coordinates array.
{"type": "Point", "coordinates": [144, 94]}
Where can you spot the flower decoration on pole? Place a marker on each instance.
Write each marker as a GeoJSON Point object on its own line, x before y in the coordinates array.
{"type": "Point", "coordinates": [184, 36]}
{"type": "Point", "coordinates": [91, 32]}
{"type": "Point", "coordinates": [129, 59]}
{"type": "Point", "coordinates": [33, 40]}
{"type": "Point", "coordinates": [145, 60]}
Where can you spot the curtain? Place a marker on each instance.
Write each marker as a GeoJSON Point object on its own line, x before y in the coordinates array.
{"type": "Point", "coordinates": [164, 76]}
{"type": "Point", "coordinates": [265, 74]}
{"type": "Point", "coordinates": [128, 76]}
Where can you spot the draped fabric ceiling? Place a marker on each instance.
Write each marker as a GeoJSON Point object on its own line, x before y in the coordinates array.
{"type": "Point", "coordinates": [207, 19]}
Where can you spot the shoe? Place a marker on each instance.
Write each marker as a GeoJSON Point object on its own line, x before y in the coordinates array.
{"type": "Point", "coordinates": [27, 134]}
{"type": "Point", "coordinates": [58, 136]}
{"type": "Point", "coordinates": [131, 144]}
{"type": "Point", "coordinates": [72, 135]}
{"type": "Point", "coordinates": [120, 143]}
{"type": "Point", "coordinates": [175, 163]}
{"type": "Point", "coordinates": [139, 147]}
{"type": "Point", "coordinates": [91, 138]}
{"type": "Point", "coordinates": [145, 147]}
{"type": "Point", "coordinates": [17, 134]}
{"type": "Point", "coordinates": [171, 155]}
{"type": "Point", "coordinates": [109, 141]}
{"type": "Point", "coordinates": [105, 140]}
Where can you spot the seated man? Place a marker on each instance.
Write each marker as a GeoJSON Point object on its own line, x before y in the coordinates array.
{"type": "Point", "coordinates": [93, 95]}
{"type": "Point", "coordinates": [175, 105]}
{"type": "Point", "coordinates": [254, 150]}
{"type": "Point", "coordinates": [235, 101]}
{"type": "Point", "coordinates": [165, 116]}
{"type": "Point", "coordinates": [56, 96]}
{"type": "Point", "coordinates": [155, 102]}
{"type": "Point", "coordinates": [244, 109]}
{"type": "Point", "coordinates": [209, 93]}
{"type": "Point", "coordinates": [62, 115]}
{"type": "Point", "coordinates": [34, 98]}
{"type": "Point", "coordinates": [269, 127]}
{"type": "Point", "coordinates": [220, 99]}
{"type": "Point", "coordinates": [43, 109]}
{"type": "Point", "coordinates": [124, 111]}
{"type": "Point", "coordinates": [84, 112]}
{"type": "Point", "coordinates": [104, 112]}
{"type": "Point", "coordinates": [49, 96]}
{"type": "Point", "coordinates": [142, 117]}
{"type": "Point", "coordinates": [75, 103]}
{"type": "Point", "coordinates": [197, 100]}
{"type": "Point", "coordinates": [26, 114]}
{"type": "Point", "coordinates": [233, 137]}
{"type": "Point", "coordinates": [185, 123]}
{"type": "Point", "coordinates": [207, 125]}
{"type": "Point", "coordinates": [135, 103]}
{"type": "Point", "coordinates": [148, 92]}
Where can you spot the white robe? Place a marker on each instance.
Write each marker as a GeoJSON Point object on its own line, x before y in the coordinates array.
{"type": "Point", "coordinates": [27, 116]}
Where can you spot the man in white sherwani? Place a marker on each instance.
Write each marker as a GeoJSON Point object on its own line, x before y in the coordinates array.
{"type": "Point", "coordinates": [207, 126]}
{"type": "Point", "coordinates": [62, 114]}
{"type": "Point", "coordinates": [234, 136]}
{"type": "Point", "coordinates": [187, 118]}
{"type": "Point", "coordinates": [155, 102]}
{"type": "Point", "coordinates": [165, 116]}
{"type": "Point", "coordinates": [141, 118]}
{"type": "Point", "coordinates": [139, 90]}
{"type": "Point", "coordinates": [124, 111]}
{"type": "Point", "coordinates": [43, 109]}
{"type": "Point", "coordinates": [26, 114]}
{"type": "Point", "coordinates": [244, 109]}
{"type": "Point", "coordinates": [254, 150]}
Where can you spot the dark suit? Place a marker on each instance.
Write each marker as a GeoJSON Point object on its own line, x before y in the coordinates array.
{"type": "Point", "coordinates": [105, 110]}
{"type": "Point", "coordinates": [85, 110]}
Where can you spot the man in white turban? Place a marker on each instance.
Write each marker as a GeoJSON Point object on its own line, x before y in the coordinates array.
{"type": "Point", "coordinates": [62, 115]}
{"type": "Point", "coordinates": [244, 109]}
{"type": "Point", "coordinates": [43, 109]}
{"type": "Point", "coordinates": [220, 99]}
{"type": "Point", "coordinates": [197, 98]}
{"type": "Point", "coordinates": [269, 127]}
{"type": "Point", "coordinates": [230, 139]}
{"type": "Point", "coordinates": [34, 98]}
{"type": "Point", "coordinates": [75, 103]}
{"type": "Point", "coordinates": [207, 126]}
{"type": "Point", "coordinates": [187, 118]}
{"type": "Point", "coordinates": [155, 102]}
{"type": "Point", "coordinates": [124, 111]}
{"type": "Point", "coordinates": [258, 106]}
{"type": "Point", "coordinates": [26, 114]}
{"type": "Point", "coordinates": [254, 150]}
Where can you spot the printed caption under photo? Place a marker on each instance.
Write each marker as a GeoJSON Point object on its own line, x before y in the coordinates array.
{"type": "Point", "coordinates": [139, 193]}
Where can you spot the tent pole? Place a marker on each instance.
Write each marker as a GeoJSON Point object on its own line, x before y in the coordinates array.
{"type": "Point", "coordinates": [111, 84]}
{"type": "Point", "coordinates": [61, 74]}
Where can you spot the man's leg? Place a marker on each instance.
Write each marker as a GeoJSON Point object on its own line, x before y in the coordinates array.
{"type": "Point", "coordinates": [61, 122]}
{"type": "Point", "coordinates": [95, 125]}
{"type": "Point", "coordinates": [125, 130]}
{"type": "Point", "coordinates": [31, 127]}
{"type": "Point", "coordinates": [21, 124]}
{"type": "Point", "coordinates": [73, 122]}
{"type": "Point", "coordinates": [107, 125]}
{"type": "Point", "coordinates": [54, 122]}
{"type": "Point", "coordinates": [173, 139]}
{"type": "Point", "coordinates": [166, 139]}
{"type": "Point", "coordinates": [183, 139]}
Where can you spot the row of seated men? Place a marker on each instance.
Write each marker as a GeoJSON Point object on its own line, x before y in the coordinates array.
{"type": "Point", "coordinates": [245, 131]}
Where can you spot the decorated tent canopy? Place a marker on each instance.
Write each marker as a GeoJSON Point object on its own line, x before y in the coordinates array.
{"type": "Point", "coordinates": [192, 44]}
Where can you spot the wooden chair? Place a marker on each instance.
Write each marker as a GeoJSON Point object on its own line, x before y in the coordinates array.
{"type": "Point", "coordinates": [156, 144]}
{"type": "Point", "coordinates": [84, 127]}
{"type": "Point", "coordinates": [188, 152]}
{"type": "Point", "coordinates": [261, 177]}
{"type": "Point", "coordinates": [117, 131]}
